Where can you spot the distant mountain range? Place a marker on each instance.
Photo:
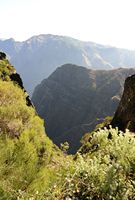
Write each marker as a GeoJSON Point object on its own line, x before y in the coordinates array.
{"type": "Point", "coordinates": [37, 57]}
{"type": "Point", "coordinates": [74, 99]}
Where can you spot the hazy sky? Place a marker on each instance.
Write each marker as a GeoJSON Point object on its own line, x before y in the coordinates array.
{"type": "Point", "coordinates": [102, 21]}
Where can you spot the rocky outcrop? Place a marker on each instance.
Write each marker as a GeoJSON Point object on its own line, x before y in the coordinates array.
{"type": "Point", "coordinates": [17, 79]}
{"type": "Point", "coordinates": [74, 99]}
{"type": "Point", "coordinates": [2, 56]}
{"type": "Point", "coordinates": [8, 72]}
{"type": "Point", "coordinates": [124, 117]}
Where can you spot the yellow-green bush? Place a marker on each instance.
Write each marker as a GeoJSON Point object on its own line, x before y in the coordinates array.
{"type": "Point", "coordinates": [6, 69]}
{"type": "Point", "coordinates": [25, 150]}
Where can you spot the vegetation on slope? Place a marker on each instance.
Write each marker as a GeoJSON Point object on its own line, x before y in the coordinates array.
{"type": "Point", "coordinates": [26, 152]}
{"type": "Point", "coordinates": [33, 168]}
{"type": "Point", "coordinates": [27, 155]}
{"type": "Point", "coordinates": [6, 69]}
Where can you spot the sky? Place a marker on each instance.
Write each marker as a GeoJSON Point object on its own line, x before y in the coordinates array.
{"type": "Point", "coordinates": [108, 22]}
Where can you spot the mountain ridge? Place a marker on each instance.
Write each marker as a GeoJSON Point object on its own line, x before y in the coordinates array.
{"type": "Point", "coordinates": [40, 55]}
{"type": "Point", "coordinates": [73, 99]}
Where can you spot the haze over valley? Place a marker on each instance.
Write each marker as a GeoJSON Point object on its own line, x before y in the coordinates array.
{"type": "Point", "coordinates": [37, 57]}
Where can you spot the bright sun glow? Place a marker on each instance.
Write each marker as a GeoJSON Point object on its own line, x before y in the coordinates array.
{"type": "Point", "coordinates": [102, 21]}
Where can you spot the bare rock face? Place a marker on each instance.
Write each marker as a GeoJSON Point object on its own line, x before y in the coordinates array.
{"type": "Point", "coordinates": [124, 117]}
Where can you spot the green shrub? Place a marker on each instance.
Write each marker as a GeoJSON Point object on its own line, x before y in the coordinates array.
{"type": "Point", "coordinates": [106, 172]}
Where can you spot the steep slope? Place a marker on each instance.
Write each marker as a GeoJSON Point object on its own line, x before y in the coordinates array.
{"type": "Point", "coordinates": [74, 99]}
{"type": "Point", "coordinates": [124, 117]}
{"type": "Point", "coordinates": [37, 57]}
{"type": "Point", "coordinates": [27, 155]}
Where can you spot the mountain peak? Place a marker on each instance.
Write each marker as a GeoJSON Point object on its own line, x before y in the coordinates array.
{"type": "Point", "coordinates": [40, 55]}
{"type": "Point", "coordinates": [74, 99]}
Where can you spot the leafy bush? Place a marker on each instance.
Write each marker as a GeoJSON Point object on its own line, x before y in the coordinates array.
{"type": "Point", "coordinates": [106, 172]}
{"type": "Point", "coordinates": [106, 122]}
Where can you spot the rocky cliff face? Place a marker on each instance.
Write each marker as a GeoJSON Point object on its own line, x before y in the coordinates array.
{"type": "Point", "coordinates": [74, 99]}
{"type": "Point", "coordinates": [124, 117]}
